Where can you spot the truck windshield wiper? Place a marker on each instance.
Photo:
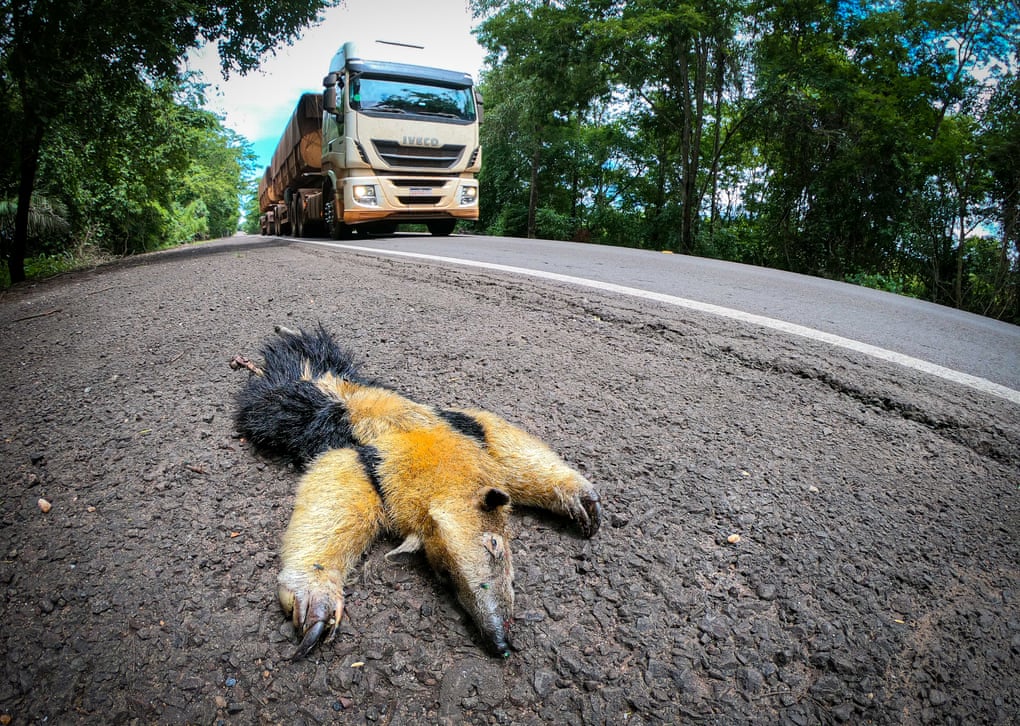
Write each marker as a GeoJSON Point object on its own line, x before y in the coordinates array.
{"type": "Point", "coordinates": [387, 109]}
{"type": "Point", "coordinates": [444, 114]}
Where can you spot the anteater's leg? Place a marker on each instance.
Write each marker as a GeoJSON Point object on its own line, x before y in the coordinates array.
{"type": "Point", "coordinates": [337, 514]}
{"type": "Point", "coordinates": [536, 476]}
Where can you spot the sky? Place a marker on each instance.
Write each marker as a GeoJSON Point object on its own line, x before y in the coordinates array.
{"type": "Point", "coordinates": [258, 105]}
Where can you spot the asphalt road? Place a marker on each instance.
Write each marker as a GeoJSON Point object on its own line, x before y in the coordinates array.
{"type": "Point", "coordinates": [793, 534]}
{"type": "Point", "coordinates": [975, 346]}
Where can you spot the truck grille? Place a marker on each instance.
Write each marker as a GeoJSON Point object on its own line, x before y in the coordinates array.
{"type": "Point", "coordinates": [417, 190]}
{"type": "Point", "coordinates": [420, 157]}
{"type": "Point", "coordinates": [420, 200]}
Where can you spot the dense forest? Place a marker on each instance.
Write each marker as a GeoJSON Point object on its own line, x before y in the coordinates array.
{"type": "Point", "coordinates": [107, 149]}
{"type": "Point", "coordinates": [874, 142]}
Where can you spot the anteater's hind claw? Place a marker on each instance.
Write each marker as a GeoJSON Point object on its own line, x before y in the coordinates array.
{"type": "Point", "coordinates": [311, 639]}
{"type": "Point", "coordinates": [316, 616]}
{"type": "Point", "coordinates": [589, 514]}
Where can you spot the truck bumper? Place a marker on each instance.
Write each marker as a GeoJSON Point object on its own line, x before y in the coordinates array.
{"type": "Point", "coordinates": [409, 216]}
{"type": "Point", "coordinates": [409, 199]}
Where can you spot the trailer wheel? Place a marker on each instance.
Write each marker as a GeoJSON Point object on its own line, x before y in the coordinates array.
{"type": "Point", "coordinates": [441, 227]}
{"type": "Point", "coordinates": [296, 221]}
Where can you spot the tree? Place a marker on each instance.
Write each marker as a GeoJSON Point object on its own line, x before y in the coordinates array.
{"type": "Point", "coordinates": [867, 141]}
{"type": "Point", "coordinates": [670, 62]}
{"type": "Point", "coordinates": [675, 61]}
{"type": "Point", "coordinates": [144, 170]}
{"type": "Point", "coordinates": [1002, 142]}
{"type": "Point", "coordinates": [546, 83]}
{"type": "Point", "coordinates": [60, 59]}
{"type": "Point", "coordinates": [219, 162]}
{"type": "Point", "coordinates": [864, 116]}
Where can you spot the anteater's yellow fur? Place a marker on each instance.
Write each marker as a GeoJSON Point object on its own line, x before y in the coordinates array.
{"type": "Point", "coordinates": [443, 481]}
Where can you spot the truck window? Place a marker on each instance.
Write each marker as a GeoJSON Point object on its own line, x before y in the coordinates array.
{"type": "Point", "coordinates": [382, 96]}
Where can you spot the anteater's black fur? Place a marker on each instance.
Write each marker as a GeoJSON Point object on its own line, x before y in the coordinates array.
{"type": "Point", "coordinates": [283, 414]}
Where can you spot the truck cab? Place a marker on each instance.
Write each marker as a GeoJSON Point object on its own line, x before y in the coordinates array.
{"type": "Point", "coordinates": [400, 144]}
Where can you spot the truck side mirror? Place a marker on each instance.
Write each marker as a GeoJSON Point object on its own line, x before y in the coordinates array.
{"type": "Point", "coordinates": [330, 79]}
{"type": "Point", "coordinates": [329, 99]}
{"type": "Point", "coordinates": [479, 104]}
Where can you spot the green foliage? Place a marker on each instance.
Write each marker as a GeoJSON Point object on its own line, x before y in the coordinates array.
{"type": "Point", "coordinates": [250, 207]}
{"type": "Point", "coordinates": [48, 265]}
{"type": "Point", "coordinates": [990, 286]}
{"type": "Point", "coordinates": [158, 171]}
{"type": "Point", "coordinates": [876, 142]}
{"type": "Point", "coordinates": [900, 285]}
{"type": "Point", "coordinates": [48, 226]}
{"type": "Point", "coordinates": [550, 224]}
{"type": "Point", "coordinates": [90, 113]}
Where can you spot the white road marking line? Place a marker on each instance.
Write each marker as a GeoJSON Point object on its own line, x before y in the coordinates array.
{"type": "Point", "coordinates": [965, 379]}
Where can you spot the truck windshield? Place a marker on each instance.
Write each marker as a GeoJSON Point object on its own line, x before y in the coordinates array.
{"type": "Point", "coordinates": [386, 96]}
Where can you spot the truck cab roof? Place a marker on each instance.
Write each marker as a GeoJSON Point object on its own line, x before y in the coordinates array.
{"type": "Point", "coordinates": [399, 71]}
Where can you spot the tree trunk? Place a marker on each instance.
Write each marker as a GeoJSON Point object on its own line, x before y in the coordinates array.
{"type": "Point", "coordinates": [693, 88]}
{"type": "Point", "coordinates": [31, 142]}
{"type": "Point", "coordinates": [1011, 237]}
{"type": "Point", "coordinates": [720, 80]}
{"type": "Point", "coordinates": [657, 238]}
{"type": "Point", "coordinates": [961, 250]}
{"type": "Point", "coordinates": [686, 146]}
{"type": "Point", "coordinates": [533, 195]}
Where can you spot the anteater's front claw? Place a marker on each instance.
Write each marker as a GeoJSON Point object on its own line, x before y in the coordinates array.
{"type": "Point", "coordinates": [593, 508]}
{"type": "Point", "coordinates": [316, 616]}
{"type": "Point", "coordinates": [587, 512]}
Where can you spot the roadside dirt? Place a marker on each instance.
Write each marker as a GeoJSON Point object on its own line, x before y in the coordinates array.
{"type": "Point", "coordinates": [794, 535]}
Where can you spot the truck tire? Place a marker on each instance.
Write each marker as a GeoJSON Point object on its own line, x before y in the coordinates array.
{"type": "Point", "coordinates": [441, 227]}
{"type": "Point", "coordinates": [334, 226]}
{"type": "Point", "coordinates": [296, 221]}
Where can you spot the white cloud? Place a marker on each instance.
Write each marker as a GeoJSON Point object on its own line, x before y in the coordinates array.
{"type": "Point", "coordinates": [258, 105]}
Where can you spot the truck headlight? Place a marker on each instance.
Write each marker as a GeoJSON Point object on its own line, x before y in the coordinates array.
{"type": "Point", "coordinates": [364, 194]}
{"type": "Point", "coordinates": [468, 195]}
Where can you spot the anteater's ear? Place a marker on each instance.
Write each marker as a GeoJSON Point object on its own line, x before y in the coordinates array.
{"type": "Point", "coordinates": [493, 499]}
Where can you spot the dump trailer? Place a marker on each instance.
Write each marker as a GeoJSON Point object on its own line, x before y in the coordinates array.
{"type": "Point", "coordinates": [385, 144]}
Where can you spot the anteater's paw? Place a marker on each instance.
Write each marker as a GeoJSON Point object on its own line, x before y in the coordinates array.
{"type": "Point", "coordinates": [586, 510]}
{"type": "Point", "coordinates": [314, 608]}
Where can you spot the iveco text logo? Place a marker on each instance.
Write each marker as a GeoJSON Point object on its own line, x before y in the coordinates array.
{"type": "Point", "coordinates": [420, 141]}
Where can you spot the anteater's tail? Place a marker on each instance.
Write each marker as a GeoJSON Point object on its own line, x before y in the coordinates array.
{"type": "Point", "coordinates": [282, 411]}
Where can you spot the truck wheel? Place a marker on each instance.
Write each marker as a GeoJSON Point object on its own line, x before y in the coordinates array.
{"type": "Point", "coordinates": [336, 228]}
{"type": "Point", "coordinates": [295, 219]}
{"type": "Point", "coordinates": [441, 227]}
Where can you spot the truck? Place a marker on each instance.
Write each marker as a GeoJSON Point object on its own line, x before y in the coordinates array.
{"type": "Point", "coordinates": [386, 143]}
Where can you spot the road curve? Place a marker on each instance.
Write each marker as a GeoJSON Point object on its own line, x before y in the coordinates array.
{"type": "Point", "coordinates": [970, 349]}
